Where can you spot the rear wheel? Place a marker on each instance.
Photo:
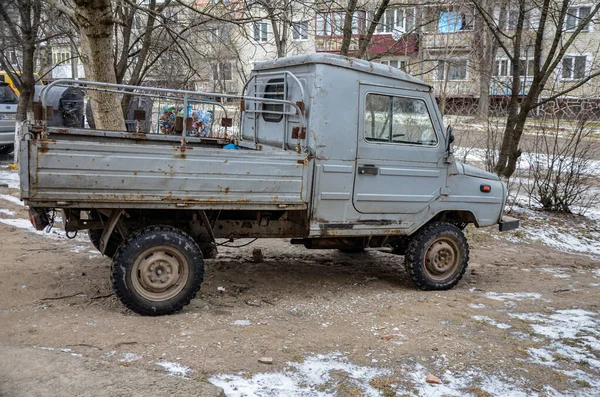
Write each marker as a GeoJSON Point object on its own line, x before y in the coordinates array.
{"type": "Point", "coordinates": [4, 150]}
{"type": "Point", "coordinates": [437, 256]}
{"type": "Point", "coordinates": [157, 271]}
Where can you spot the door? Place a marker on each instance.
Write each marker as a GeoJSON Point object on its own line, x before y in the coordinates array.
{"type": "Point", "coordinates": [400, 156]}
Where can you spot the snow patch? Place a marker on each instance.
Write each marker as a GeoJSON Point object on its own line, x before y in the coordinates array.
{"type": "Point", "coordinates": [10, 178]}
{"type": "Point", "coordinates": [129, 357]}
{"type": "Point", "coordinates": [173, 369]}
{"type": "Point", "coordinates": [11, 199]}
{"type": "Point", "coordinates": [309, 378]}
{"type": "Point", "coordinates": [7, 212]}
{"type": "Point", "coordinates": [318, 376]}
{"type": "Point", "coordinates": [573, 337]}
{"type": "Point", "coordinates": [508, 298]}
{"type": "Point", "coordinates": [242, 322]}
{"type": "Point", "coordinates": [477, 306]}
{"type": "Point", "coordinates": [491, 321]}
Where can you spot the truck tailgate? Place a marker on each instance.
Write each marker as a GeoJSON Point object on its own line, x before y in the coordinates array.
{"type": "Point", "coordinates": [155, 172]}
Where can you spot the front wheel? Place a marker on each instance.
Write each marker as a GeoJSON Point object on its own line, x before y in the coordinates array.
{"type": "Point", "coordinates": [157, 271]}
{"type": "Point", "coordinates": [437, 256]}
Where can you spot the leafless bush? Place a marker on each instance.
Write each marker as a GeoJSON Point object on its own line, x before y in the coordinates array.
{"type": "Point", "coordinates": [493, 141]}
{"type": "Point", "coordinates": [561, 167]}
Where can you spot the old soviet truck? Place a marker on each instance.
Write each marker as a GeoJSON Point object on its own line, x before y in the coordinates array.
{"type": "Point", "coordinates": [335, 153]}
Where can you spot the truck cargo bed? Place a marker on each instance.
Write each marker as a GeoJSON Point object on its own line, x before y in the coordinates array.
{"type": "Point", "coordinates": [79, 168]}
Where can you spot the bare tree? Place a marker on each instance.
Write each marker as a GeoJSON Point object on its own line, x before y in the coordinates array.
{"type": "Point", "coordinates": [94, 21]}
{"type": "Point", "coordinates": [25, 34]}
{"type": "Point", "coordinates": [550, 42]}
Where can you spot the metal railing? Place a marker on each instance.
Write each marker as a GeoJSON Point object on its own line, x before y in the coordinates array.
{"type": "Point", "coordinates": [185, 96]}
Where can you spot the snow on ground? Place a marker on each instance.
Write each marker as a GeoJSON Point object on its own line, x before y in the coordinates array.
{"type": "Point", "coordinates": [4, 211]}
{"type": "Point", "coordinates": [11, 199]}
{"type": "Point", "coordinates": [581, 237]}
{"type": "Point", "coordinates": [509, 298]}
{"type": "Point", "coordinates": [527, 161]}
{"type": "Point", "coordinates": [325, 374]}
{"type": "Point", "coordinates": [490, 321]}
{"type": "Point", "coordinates": [173, 369]}
{"type": "Point", "coordinates": [55, 233]}
{"type": "Point", "coordinates": [10, 178]}
{"type": "Point", "coordinates": [570, 336]}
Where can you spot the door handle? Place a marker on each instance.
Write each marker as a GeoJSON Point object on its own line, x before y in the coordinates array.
{"type": "Point", "coordinates": [368, 169]}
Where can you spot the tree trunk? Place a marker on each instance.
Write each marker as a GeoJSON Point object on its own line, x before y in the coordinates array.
{"type": "Point", "coordinates": [364, 44]}
{"type": "Point", "coordinates": [94, 19]}
{"type": "Point", "coordinates": [347, 38]}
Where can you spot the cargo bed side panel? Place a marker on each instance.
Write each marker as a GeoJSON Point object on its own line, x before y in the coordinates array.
{"type": "Point", "coordinates": [79, 172]}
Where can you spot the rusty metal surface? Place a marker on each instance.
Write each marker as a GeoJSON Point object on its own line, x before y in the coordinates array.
{"type": "Point", "coordinates": [82, 172]}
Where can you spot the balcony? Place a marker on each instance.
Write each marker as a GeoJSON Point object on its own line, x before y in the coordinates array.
{"type": "Point", "coordinates": [434, 41]}
{"type": "Point", "coordinates": [380, 44]}
{"type": "Point", "coordinates": [501, 86]}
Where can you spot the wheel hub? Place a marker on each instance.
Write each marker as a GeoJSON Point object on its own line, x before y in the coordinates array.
{"type": "Point", "coordinates": [441, 258]}
{"type": "Point", "coordinates": [159, 273]}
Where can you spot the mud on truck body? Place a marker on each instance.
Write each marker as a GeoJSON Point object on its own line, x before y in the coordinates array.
{"type": "Point", "coordinates": [335, 153]}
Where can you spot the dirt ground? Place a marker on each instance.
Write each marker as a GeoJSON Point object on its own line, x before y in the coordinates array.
{"type": "Point", "coordinates": [525, 320]}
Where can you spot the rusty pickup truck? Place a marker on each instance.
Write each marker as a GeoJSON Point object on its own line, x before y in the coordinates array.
{"type": "Point", "coordinates": [334, 153]}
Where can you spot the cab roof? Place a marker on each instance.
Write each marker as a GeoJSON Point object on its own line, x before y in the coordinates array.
{"type": "Point", "coordinates": [339, 61]}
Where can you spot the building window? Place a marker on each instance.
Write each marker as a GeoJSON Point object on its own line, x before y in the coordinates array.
{"type": "Point", "coordinates": [512, 20]}
{"type": "Point", "coordinates": [503, 68]}
{"type": "Point", "coordinates": [219, 34]}
{"type": "Point", "coordinates": [574, 67]}
{"type": "Point", "coordinates": [398, 64]}
{"type": "Point", "coordinates": [60, 57]}
{"type": "Point", "coordinates": [223, 71]}
{"type": "Point", "coordinates": [401, 20]}
{"type": "Point", "coordinates": [300, 31]}
{"type": "Point", "coordinates": [261, 30]}
{"type": "Point", "coordinates": [332, 23]}
{"type": "Point", "coordinates": [574, 17]}
{"type": "Point", "coordinates": [454, 19]}
{"type": "Point", "coordinates": [455, 70]}
{"type": "Point", "coordinates": [391, 119]}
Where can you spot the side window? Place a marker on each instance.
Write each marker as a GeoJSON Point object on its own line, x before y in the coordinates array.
{"type": "Point", "coordinates": [272, 112]}
{"type": "Point", "coordinates": [394, 119]}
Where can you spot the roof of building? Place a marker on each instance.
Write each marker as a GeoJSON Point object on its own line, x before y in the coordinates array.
{"type": "Point", "coordinates": [340, 61]}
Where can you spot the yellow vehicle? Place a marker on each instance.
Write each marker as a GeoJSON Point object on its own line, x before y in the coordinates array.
{"type": "Point", "coordinates": [4, 77]}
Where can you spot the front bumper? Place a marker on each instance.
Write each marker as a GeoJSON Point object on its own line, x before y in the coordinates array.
{"type": "Point", "coordinates": [508, 223]}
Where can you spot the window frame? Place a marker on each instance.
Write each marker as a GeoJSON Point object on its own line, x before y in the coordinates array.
{"type": "Point", "coordinates": [399, 144]}
{"type": "Point", "coordinates": [384, 28]}
{"type": "Point", "coordinates": [572, 78]}
{"type": "Point", "coordinates": [588, 28]}
{"type": "Point", "coordinates": [436, 76]}
{"type": "Point", "coordinates": [263, 35]}
{"type": "Point", "coordinates": [304, 25]}
{"type": "Point", "coordinates": [466, 12]}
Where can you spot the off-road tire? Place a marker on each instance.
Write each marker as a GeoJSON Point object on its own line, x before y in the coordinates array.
{"type": "Point", "coordinates": [127, 272]}
{"type": "Point", "coordinates": [96, 234]}
{"type": "Point", "coordinates": [4, 150]}
{"type": "Point", "coordinates": [421, 271]}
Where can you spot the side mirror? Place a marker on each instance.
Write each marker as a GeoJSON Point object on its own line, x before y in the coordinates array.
{"type": "Point", "coordinates": [450, 136]}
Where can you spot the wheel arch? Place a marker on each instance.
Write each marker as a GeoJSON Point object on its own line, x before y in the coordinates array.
{"type": "Point", "coordinates": [455, 217]}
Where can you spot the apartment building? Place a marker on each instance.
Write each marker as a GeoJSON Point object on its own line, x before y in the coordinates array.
{"type": "Point", "coordinates": [438, 41]}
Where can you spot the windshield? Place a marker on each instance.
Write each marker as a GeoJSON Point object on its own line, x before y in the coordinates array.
{"type": "Point", "coordinates": [7, 95]}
